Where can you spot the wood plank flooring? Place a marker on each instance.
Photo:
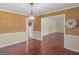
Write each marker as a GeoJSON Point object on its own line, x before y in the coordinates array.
{"type": "Point", "coordinates": [16, 49]}
{"type": "Point", "coordinates": [52, 44]}
{"type": "Point", "coordinates": [34, 46]}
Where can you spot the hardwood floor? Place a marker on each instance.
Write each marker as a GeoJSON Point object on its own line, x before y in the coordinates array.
{"type": "Point", "coordinates": [34, 46]}
{"type": "Point", "coordinates": [53, 44]}
{"type": "Point", "coordinates": [61, 51]}
{"type": "Point", "coordinates": [52, 41]}
{"type": "Point", "coordinates": [16, 49]}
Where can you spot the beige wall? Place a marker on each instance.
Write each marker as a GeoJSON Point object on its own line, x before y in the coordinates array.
{"type": "Point", "coordinates": [11, 22]}
{"type": "Point", "coordinates": [37, 26]}
{"type": "Point", "coordinates": [12, 28]}
{"type": "Point", "coordinates": [69, 14]}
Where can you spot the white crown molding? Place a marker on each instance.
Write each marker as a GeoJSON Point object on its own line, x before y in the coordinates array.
{"type": "Point", "coordinates": [13, 12]}
{"type": "Point", "coordinates": [59, 10]}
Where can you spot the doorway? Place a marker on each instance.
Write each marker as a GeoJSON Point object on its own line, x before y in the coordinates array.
{"type": "Point", "coordinates": [52, 29]}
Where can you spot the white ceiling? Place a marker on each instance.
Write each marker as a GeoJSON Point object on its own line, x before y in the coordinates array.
{"type": "Point", "coordinates": [38, 8]}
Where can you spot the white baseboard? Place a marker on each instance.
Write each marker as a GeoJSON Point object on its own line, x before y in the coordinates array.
{"type": "Point", "coordinates": [8, 39]}
{"type": "Point", "coordinates": [2, 46]}
{"type": "Point", "coordinates": [51, 33]}
{"type": "Point", "coordinates": [71, 49]}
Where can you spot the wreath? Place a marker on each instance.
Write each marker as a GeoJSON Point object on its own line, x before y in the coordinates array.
{"type": "Point", "coordinates": [71, 23]}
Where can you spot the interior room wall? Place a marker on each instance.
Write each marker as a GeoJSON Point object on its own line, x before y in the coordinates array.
{"type": "Point", "coordinates": [37, 35]}
{"type": "Point", "coordinates": [48, 26]}
{"type": "Point", "coordinates": [37, 28]}
{"type": "Point", "coordinates": [52, 24]}
{"type": "Point", "coordinates": [60, 26]}
{"type": "Point", "coordinates": [71, 42]}
{"type": "Point", "coordinates": [12, 38]}
{"type": "Point", "coordinates": [12, 28]}
{"type": "Point", "coordinates": [11, 22]}
{"type": "Point", "coordinates": [70, 13]}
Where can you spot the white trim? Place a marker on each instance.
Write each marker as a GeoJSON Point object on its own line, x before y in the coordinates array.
{"type": "Point", "coordinates": [36, 38]}
{"type": "Point", "coordinates": [8, 44]}
{"type": "Point", "coordinates": [71, 49]}
{"type": "Point", "coordinates": [54, 31]}
{"type": "Point", "coordinates": [58, 10]}
{"type": "Point", "coordinates": [41, 31]}
{"type": "Point", "coordinates": [27, 34]}
{"type": "Point", "coordinates": [48, 33]}
{"type": "Point", "coordinates": [12, 33]}
{"type": "Point", "coordinates": [12, 44]}
{"type": "Point", "coordinates": [72, 35]}
{"type": "Point", "coordinates": [13, 12]}
{"type": "Point", "coordinates": [64, 24]}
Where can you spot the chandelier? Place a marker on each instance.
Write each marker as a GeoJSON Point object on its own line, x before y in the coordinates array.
{"type": "Point", "coordinates": [31, 17]}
